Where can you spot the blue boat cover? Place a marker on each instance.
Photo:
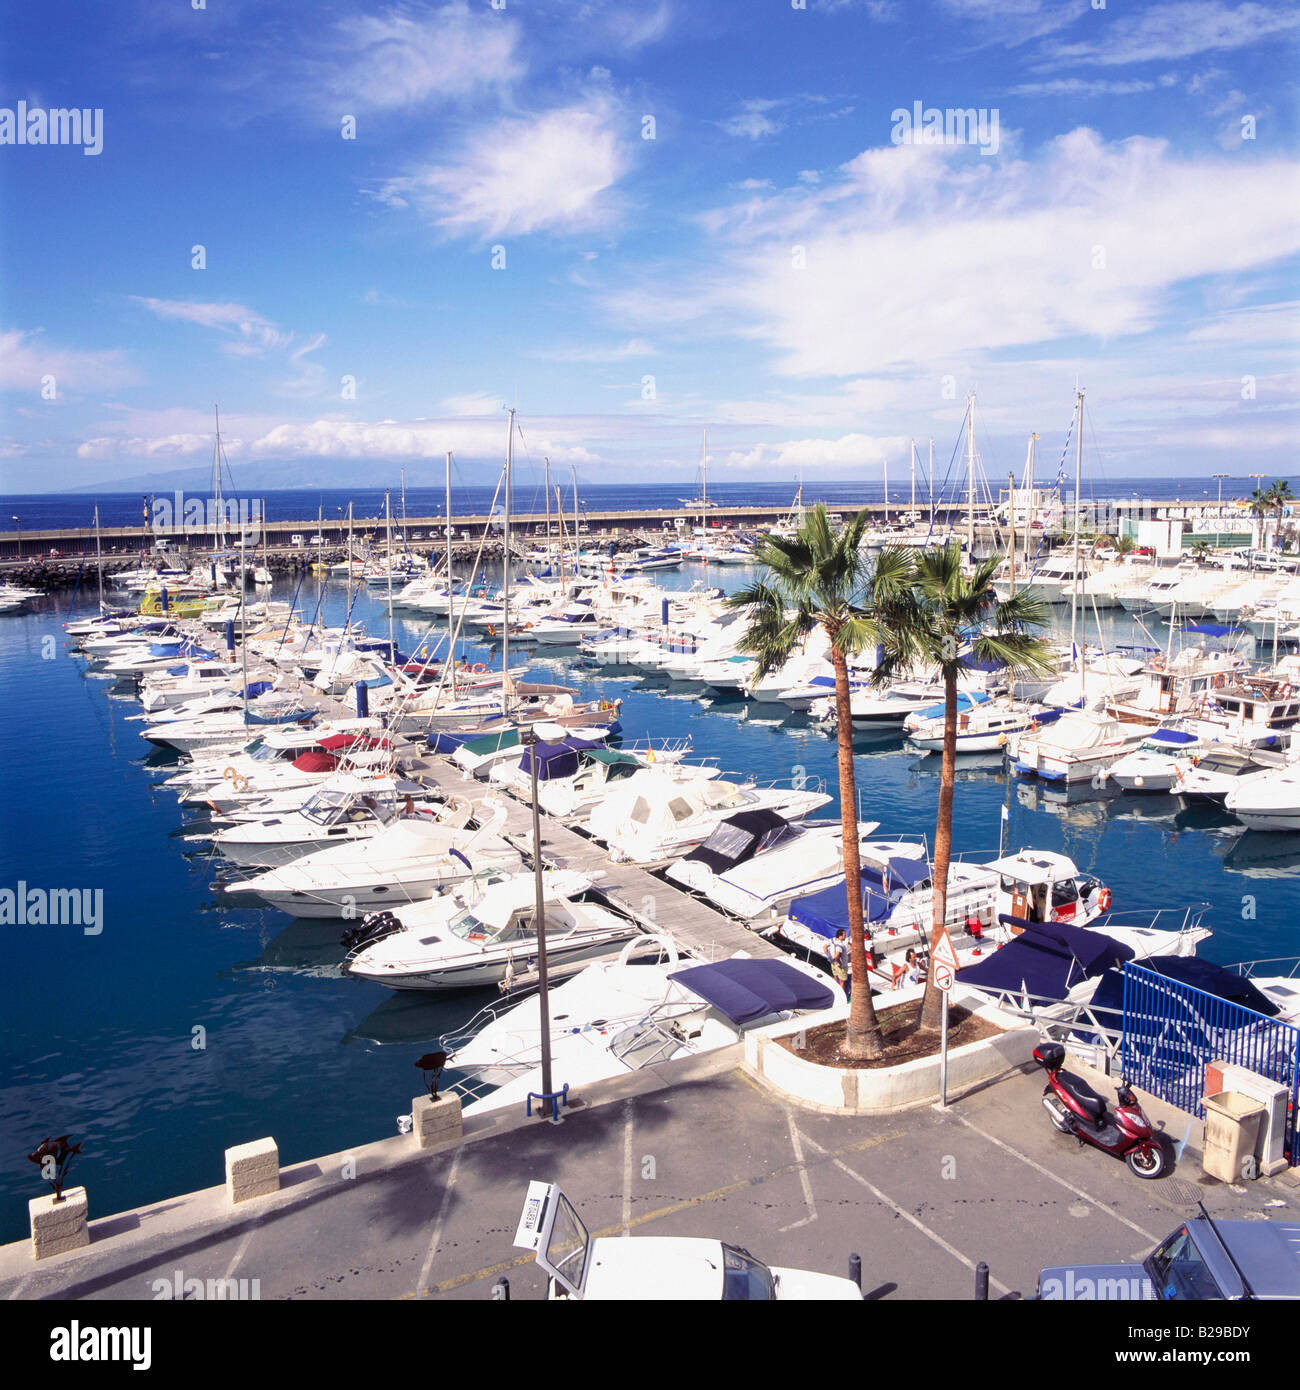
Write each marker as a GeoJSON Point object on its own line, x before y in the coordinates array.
{"type": "Point", "coordinates": [1213, 629]}
{"type": "Point", "coordinates": [1173, 736]}
{"type": "Point", "coordinates": [828, 911]}
{"type": "Point", "coordinates": [1193, 971]}
{"type": "Point", "coordinates": [447, 743]}
{"type": "Point", "coordinates": [1048, 960]}
{"type": "Point", "coordinates": [257, 688]}
{"type": "Point", "coordinates": [746, 990]}
{"type": "Point", "coordinates": [559, 759]}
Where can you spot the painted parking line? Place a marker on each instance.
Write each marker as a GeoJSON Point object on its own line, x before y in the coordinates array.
{"type": "Point", "coordinates": [1056, 1178]}
{"type": "Point", "coordinates": [796, 1143]}
{"type": "Point", "coordinates": [505, 1266]}
{"type": "Point", "coordinates": [436, 1238]}
{"type": "Point", "coordinates": [907, 1216]}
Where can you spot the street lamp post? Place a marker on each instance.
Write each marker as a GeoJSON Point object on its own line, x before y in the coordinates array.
{"type": "Point", "coordinates": [20, 537]}
{"type": "Point", "coordinates": [528, 739]}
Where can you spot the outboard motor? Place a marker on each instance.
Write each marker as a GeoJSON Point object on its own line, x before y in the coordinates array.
{"type": "Point", "coordinates": [374, 926]}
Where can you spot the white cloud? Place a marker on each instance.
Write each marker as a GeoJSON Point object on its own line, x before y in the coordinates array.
{"type": "Point", "coordinates": [551, 172]}
{"type": "Point", "coordinates": [753, 120]}
{"type": "Point", "coordinates": [632, 348]}
{"type": "Point", "coordinates": [1081, 87]}
{"type": "Point", "coordinates": [474, 403]}
{"type": "Point", "coordinates": [26, 358]}
{"type": "Point", "coordinates": [1180, 29]}
{"type": "Point", "coordinates": [848, 452]}
{"type": "Point", "coordinates": [253, 334]}
{"type": "Point", "coordinates": [917, 256]}
{"type": "Point", "coordinates": [405, 58]}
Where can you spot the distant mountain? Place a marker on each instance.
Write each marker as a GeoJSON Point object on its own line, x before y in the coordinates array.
{"type": "Point", "coordinates": [326, 474]}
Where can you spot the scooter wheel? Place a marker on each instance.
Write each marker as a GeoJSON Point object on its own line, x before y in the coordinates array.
{"type": "Point", "coordinates": [1149, 1163]}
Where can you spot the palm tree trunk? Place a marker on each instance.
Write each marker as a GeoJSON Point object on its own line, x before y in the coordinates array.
{"type": "Point", "coordinates": [931, 1004]}
{"type": "Point", "coordinates": [863, 1038]}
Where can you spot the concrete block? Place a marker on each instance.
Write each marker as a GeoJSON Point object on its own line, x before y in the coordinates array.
{"type": "Point", "coordinates": [437, 1121]}
{"type": "Point", "coordinates": [252, 1170]}
{"type": "Point", "coordinates": [58, 1227]}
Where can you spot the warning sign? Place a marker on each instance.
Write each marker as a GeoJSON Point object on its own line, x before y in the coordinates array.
{"type": "Point", "coordinates": [944, 953]}
{"type": "Point", "coordinates": [943, 977]}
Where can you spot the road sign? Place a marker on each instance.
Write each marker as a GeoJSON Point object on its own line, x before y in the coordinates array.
{"type": "Point", "coordinates": [943, 977]}
{"type": "Point", "coordinates": [943, 951]}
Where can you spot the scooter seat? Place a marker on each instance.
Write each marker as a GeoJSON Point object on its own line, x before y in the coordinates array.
{"type": "Point", "coordinates": [1082, 1094]}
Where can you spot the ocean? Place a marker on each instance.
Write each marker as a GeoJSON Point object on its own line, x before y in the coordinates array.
{"type": "Point", "coordinates": [72, 511]}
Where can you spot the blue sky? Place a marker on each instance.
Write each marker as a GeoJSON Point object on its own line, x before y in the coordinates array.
{"type": "Point", "coordinates": [783, 263]}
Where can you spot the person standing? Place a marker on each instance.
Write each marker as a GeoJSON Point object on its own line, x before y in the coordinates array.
{"type": "Point", "coordinates": [838, 955]}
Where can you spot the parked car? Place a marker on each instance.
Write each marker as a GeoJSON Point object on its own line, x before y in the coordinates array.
{"type": "Point", "coordinates": [1202, 1259]}
{"type": "Point", "coordinates": [653, 1267]}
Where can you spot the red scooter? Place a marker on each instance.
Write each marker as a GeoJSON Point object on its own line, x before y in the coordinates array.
{"type": "Point", "coordinates": [1075, 1108]}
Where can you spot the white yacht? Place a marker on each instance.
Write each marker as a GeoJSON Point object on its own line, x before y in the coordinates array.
{"type": "Point", "coordinates": [1075, 748]}
{"type": "Point", "coordinates": [486, 934]}
{"type": "Point", "coordinates": [615, 1019]}
{"type": "Point", "coordinates": [1271, 802]}
{"type": "Point", "coordinates": [658, 813]}
{"type": "Point", "coordinates": [405, 862]}
{"type": "Point", "coordinates": [756, 862]}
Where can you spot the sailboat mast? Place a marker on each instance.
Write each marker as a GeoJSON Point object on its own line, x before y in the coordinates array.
{"type": "Point", "coordinates": [970, 477]}
{"type": "Point", "coordinates": [388, 515]}
{"type": "Point", "coordinates": [886, 465]}
{"type": "Point", "coordinates": [99, 559]}
{"type": "Point", "coordinates": [505, 567]}
{"type": "Point", "coordinates": [913, 468]}
{"type": "Point", "coordinates": [546, 491]}
{"type": "Point", "coordinates": [451, 602]}
{"type": "Point", "coordinates": [218, 521]}
{"type": "Point", "coordinates": [575, 519]}
{"type": "Point", "coordinates": [704, 494]}
{"type": "Point", "coordinates": [930, 482]}
{"type": "Point", "coordinates": [1078, 484]}
{"type": "Point", "coordinates": [1029, 492]}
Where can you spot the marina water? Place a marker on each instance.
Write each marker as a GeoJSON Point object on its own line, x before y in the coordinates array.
{"type": "Point", "coordinates": [183, 1027]}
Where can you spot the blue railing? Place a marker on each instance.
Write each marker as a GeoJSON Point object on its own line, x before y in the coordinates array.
{"type": "Point", "coordinates": [1173, 1031]}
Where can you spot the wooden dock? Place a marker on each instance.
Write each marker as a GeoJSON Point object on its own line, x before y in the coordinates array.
{"type": "Point", "coordinates": [699, 930]}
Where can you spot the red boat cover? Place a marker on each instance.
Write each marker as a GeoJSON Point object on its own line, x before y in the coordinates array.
{"type": "Point", "coordinates": [315, 762]}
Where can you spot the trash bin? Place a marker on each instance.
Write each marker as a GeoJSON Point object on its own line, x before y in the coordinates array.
{"type": "Point", "coordinates": [1232, 1123]}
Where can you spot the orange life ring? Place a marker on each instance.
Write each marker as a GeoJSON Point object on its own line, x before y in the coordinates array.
{"type": "Point", "coordinates": [479, 668]}
{"type": "Point", "coordinates": [1220, 681]}
{"type": "Point", "coordinates": [1104, 900]}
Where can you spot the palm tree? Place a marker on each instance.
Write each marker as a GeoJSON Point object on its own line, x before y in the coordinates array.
{"type": "Point", "coordinates": [943, 611]}
{"type": "Point", "coordinates": [820, 578]}
{"type": "Point", "coordinates": [1260, 504]}
{"type": "Point", "coordinates": [1124, 545]}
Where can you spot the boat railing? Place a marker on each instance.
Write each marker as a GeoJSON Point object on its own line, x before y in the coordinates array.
{"type": "Point", "coordinates": [1170, 919]}
{"type": "Point", "coordinates": [1286, 967]}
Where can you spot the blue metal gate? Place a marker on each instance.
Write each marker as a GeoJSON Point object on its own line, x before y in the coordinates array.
{"type": "Point", "coordinates": [1172, 1031]}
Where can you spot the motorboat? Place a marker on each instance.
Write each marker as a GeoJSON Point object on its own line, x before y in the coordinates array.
{"type": "Point", "coordinates": [574, 774]}
{"type": "Point", "coordinates": [1212, 775]}
{"type": "Point", "coordinates": [1076, 748]}
{"type": "Point", "coordinates": [406, 861]}
{"type": "Point", "coordinates": [1270, 802]}
{"type": "Point", "coordinates": [618, 1018]}
{"type": "Point", "coordinates": [985, 727]}
{"type": "Point", "coordinates": [658, 813]}
{"type": "Point", "coordinates": [756, 862]}
{"type": "Point", "coordinates": [348, 808]}
{"type": "Point", "coordinates": [897, 893]}
{"type": "Point", "coordinates": [485, 933]}
{"type": "Point", "coordinates": [1158, 762]}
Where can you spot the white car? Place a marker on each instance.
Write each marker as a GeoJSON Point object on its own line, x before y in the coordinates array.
{"type": "Point", "coordinates": [646, 1268]}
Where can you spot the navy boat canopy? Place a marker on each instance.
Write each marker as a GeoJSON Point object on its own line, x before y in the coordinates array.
{"type": "Point", "coordinates": [828, 911]}
{"type": "Point", "coordinates": [559, 759]}
{"type": "Point", "coordinates": [739, 838]}
{"type": "Point", "coordinates": [1193, 971]}
{"type": "Point", "coordinates": [1213, 629]}
{"type": "Point", "coordinates": [746, 990]}
{"type": "Point", "coordinates": [1047, 959]}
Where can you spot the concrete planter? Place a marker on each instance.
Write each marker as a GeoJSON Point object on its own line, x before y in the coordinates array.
{"type": "Point", "coordinates": [58, 1227]}
{"type": "Point", "coordinates": [884, 1090]}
